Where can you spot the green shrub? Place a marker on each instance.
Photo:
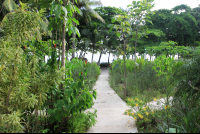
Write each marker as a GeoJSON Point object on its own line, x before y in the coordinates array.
{"type": "Point", "coordinates": [24, 84]}
{"type": "Point", "coordinates": [77, 66]}
{"type": "Point", "coordinates": [81, 122]}
{"type": "Point", "coordinates": [145, 80]}
{"type": "Point", "coordinates": [186, 106]}
{"type": "Point", "coordinates": [27, 83]}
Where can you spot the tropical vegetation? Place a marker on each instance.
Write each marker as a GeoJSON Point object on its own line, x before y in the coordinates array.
{"type": "Point", "coordinates": [42, 90]}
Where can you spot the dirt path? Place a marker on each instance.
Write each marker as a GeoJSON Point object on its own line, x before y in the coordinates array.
{"type": "Point", "coordinates": [110, 108]}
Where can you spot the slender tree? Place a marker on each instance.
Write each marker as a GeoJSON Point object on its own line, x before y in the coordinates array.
{"type": "Point", "coordinates": [122, 31]}
{"type": "Point", "coordinates": [138, 14]}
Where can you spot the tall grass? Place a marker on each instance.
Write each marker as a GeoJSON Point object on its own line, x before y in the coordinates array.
{"type": "Point", "coordinates": [145, 81]}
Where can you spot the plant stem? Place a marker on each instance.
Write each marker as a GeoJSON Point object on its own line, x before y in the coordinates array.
{"type": "Point", "coordinates": [125, 66]}
{"type": "Point", "coordinates": [135, 52]}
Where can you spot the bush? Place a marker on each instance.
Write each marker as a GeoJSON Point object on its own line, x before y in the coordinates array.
{"type": "Point", "coordinates": [145, 80]}
{"type": "Point", "coordinates": [80, 123]}
{"type": "Point", "coordinates": [24, 84]}
{"type": "Point", "coordinates": [27, 83]}
{"type": "Point", "coordinates": [186, 106]}
{"type": "Point", "coordinates": [78, 66]}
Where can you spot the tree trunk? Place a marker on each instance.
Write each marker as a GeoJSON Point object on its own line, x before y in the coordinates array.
{"type": "Point", "coordinates": [59, 49]}
{"type": "Point", "coordinates": [44, 54]}
{"type": "Point", "coordinates": [53, 34]}
{"type": "Point", "coordinates": [56, 34]}
{"type": "Point", "coordinates": [73, 45]}
{"type": "Point", "coordinates": [63, 55]}
{"type": "Point", "coordinates": [48, 45]}
{"type": "Point", "coordinates": [100, 57]}
{"type": "Point", "coordinates": [63, 44]}
{"type": "Point", "coordinates": [63, 48]}
{"type": "Point", "coordinates": [178, 56]}
{"type": "Point", "coordinates": [108, 57]}
{"type": "Point", "coordinates": [81, 54]}
{"type": "Point", "coordinates": [67, 44]}
{"type": "Point", "coordinates": [93, 50]}
{"type": "Point", "coordinates": [73, 35]}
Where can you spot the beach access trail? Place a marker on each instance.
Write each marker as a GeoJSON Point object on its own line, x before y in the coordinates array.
{"type": "Point", "coordinates": [110, 109]}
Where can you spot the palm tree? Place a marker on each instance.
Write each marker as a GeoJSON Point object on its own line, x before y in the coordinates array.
{"type": "Point", "coordinates": [87, 13]}
{"type": "Point", "coordinates": [91, 32]}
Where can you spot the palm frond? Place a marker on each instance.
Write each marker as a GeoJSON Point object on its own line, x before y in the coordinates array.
{"type": "Point", "coordinates": [94, 14]}
{"type": "Point", "coordinates": [84, 5]}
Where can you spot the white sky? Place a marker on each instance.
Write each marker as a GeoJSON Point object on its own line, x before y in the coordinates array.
{"type": "Point", "coordinates": [159, 4]}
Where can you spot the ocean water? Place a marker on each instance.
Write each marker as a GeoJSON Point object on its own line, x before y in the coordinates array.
{"type": "Point", "coordinates": [104, 57]}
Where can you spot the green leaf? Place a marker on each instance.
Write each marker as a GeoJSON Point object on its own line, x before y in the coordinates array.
{"type": "Point", "coordinates": [64, 10]}
{"type": "Point", "coordinates": [159, 72]}
{"type": "Point", "coordinates": [134, 2]}
{"type": "Point", "coordinates": [77, 10]}
{"type": "Point", "coordinates": [72, 29]}
{"type": "Point", "coordinates": [154, 67]}
{"type": "Point", "coordinates": [162, 67]}
{"type": "Point", "coordinates": [54, 92]}
{"type": "Point", "coordinates": [69, 32]}
{"type": "Point", "coordinates": [57, 10]}
{"type": "Point", "coordinates": [77, 32]}
{"type": "Point", "coordinates": [10, 5]}
{"type": "Point", "coordinates": [68, 92]}
{"type": "Point", "coordinates": [110, 30]}
{"type": "Point", "coordinates": [79, 84]}
{"type": "Point", "coordinates": [118, 34]}
{"type": "Point", "coordinates": [76, 21]}
{"type": "Point", "coordinates": [94, 94]}
{"type": "Point", "coordinates": [85, 70]}
{"type": "Point", "coordinates": [69, 10]}
{"type": "Point", "coordinates": [113, 20]}
{"type": "Point", "coordinates": [58, 115]}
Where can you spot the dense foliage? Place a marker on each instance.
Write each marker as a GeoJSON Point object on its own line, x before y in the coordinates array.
{"type": "Point", "coordinates": [34, 95]}
{"type": "Point", "coordinates": [163, 77]}
{"type": "Point", "coordinates": [28, 83]}
{"type": "Point", "coordinates": [40, 94]}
